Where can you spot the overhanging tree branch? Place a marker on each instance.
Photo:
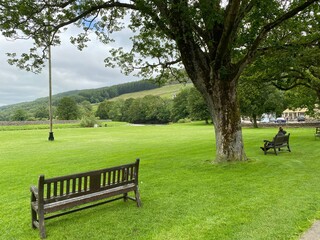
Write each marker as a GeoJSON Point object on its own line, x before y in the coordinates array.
{"type": "Point", "coordinates": [267, 28]}
{"type": "Point", "coordinates": [224, 43]}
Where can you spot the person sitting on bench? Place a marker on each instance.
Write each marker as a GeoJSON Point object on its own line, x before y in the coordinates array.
{"type": "Point", "coordinates": [281, 132]}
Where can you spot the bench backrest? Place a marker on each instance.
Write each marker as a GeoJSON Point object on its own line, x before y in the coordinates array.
{"type": "Point", "coordinates": [75, 185]}
{"type": "Point", "coordinates": [281, 140]}
{"type": "Point", "coordinates": [317, 130]}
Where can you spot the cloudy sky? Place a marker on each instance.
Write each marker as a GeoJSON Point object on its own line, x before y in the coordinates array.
{"type": "Point", "coordinates": [71, 70]}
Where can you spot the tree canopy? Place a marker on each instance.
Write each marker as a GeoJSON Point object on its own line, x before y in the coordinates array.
{"type": "Point", "coordinates": [67, 109]}
{"type": "Point", "coordinates": [213, 40]}
{"type": "Point", "coordinates": [258, 97]}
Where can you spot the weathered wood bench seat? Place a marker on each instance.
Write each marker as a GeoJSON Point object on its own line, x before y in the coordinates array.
{"type": "Point", "coordinates": [277, 143]}
{"type": "Point", "coordinates": [65, 192]}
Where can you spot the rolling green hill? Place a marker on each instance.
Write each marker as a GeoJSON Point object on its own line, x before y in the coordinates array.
{"type": "Point", "coordinates": [92, 95]}
{"type": "Point", "coordinates": [95, 96]}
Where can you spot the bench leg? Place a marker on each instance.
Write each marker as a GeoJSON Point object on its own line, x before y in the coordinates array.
{"type": "Point", "coordinates": [34, 215]}
{"type": "Point", "coordinates": [137, 195]}
{"type": "Point", "coordinates": [33, 218]}
{"type": "Point", "coordinates": [275, 151]}
{"type": "Point", "coordinates": [265, 149]}
{"type": "Point", "coordinates": [42, 228]}
{"type": "Point", "coordinates": [125, 197]}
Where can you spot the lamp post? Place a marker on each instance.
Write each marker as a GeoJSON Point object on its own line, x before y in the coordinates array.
{"type": "Point", "coordinates": [51, 137]}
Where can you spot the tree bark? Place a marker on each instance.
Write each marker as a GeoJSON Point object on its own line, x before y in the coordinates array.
{"type": "Point", "coordinates": [254, 119]}
{"type": "Point", "coordinates": [227, 123]}
{"type": "Point", "coordinates": [225, 113]}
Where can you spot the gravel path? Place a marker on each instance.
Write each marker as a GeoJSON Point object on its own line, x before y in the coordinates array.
{"type": "Point", "coordinates": [313, 233]}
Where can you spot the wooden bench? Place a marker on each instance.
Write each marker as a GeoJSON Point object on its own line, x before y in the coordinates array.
{"type": "Point", "coordinates": [65, 192]}
{"type": "Point", "coordinates": [317, 133]}
{"type": "Point", "coordinates": [277, 143]}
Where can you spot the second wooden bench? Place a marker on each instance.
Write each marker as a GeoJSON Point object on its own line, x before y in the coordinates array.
{"type": "Point", "coordinates": [65, 192]}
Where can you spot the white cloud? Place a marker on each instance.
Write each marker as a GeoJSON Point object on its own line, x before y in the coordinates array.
{"type": "Point", "coordinates": [71, 70]}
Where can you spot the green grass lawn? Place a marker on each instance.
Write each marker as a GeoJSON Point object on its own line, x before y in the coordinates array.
{"type": "Point", "coordinates": [184, 195]}
{"type": "Point", "coordinates": [167, 91]}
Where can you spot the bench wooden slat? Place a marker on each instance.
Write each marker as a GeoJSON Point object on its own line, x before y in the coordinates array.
{"type": "Point", "coordinates": [61, 186]}
{"type": "Point", "coordinates": [67, 186]}
{"type": "Point", "coordinates": [95, 182]}
{"type": "Point", "coordinates": [94, 187]}
{"type": "Point", "coordinates": [131, 173]}
{"type": "Point", "coordinates": [54, 179]}
{"type": "Point", "coordinates": [73, 185]}
{"type": "Point", "coordinates": [48, 190]}
{"type": "Point", "coordinates": [79, 184]}
{"type": "Point", "coordinates": [109, 178]}
{"type": "Point", "coordinates": [113, 176]}
{"type": "Point", "coordinates": [104, 178]}
{"type": "Point", "coordinates": [64, 192]}
{"type": "Point", "coordinates": [69, 203]}
{"type": "Point", "coordinates": [55, 189]}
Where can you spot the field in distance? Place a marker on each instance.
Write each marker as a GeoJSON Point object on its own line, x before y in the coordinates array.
{"type": "Point", "coordinates": [168, 91]}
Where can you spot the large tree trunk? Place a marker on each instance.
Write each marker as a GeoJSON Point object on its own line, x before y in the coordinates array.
{"type": "Point", "coordinates": [223, 106]}
{"type": "Point", "coordinates": [218, 84]}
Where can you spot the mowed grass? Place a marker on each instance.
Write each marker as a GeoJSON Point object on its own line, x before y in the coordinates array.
{"type": "Point", "coordinates": [184, 195]}
{"type": "Point", "coordinates": [167, 91]}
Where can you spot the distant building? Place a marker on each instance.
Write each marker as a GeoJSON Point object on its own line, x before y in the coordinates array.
{"type": "Point", "coordinates": [290, 114]}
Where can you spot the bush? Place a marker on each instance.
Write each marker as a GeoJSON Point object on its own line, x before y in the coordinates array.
{"type": "Point", "coordinates": [184, 120]}
{"type": "Point", "coordinates": [31, 119]}
{"type": "Point", "coordinates": [88, 121]}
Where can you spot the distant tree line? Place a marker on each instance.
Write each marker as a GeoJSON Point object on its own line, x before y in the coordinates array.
{"type": "Point", "coordinates": [38, 109]}
{"type": "Point", "coordinates": [100, 94]}
{"type": "Point", "coordinates": [186, 105]}
{"type": "Point", "coordinates": [255, 98]}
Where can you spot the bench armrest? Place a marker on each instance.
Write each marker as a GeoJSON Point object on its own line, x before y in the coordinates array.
{"type": "Point", "coordinates": [34, 191]}
{"type": "Point", "coordinates": [266, 141]}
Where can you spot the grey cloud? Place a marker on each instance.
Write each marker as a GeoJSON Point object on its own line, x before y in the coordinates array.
{"type": "Point", "coordinates": [71, 70]}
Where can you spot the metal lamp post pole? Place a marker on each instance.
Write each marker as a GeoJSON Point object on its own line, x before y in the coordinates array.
{"type": "Point", "coordinates": [51, 137]}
